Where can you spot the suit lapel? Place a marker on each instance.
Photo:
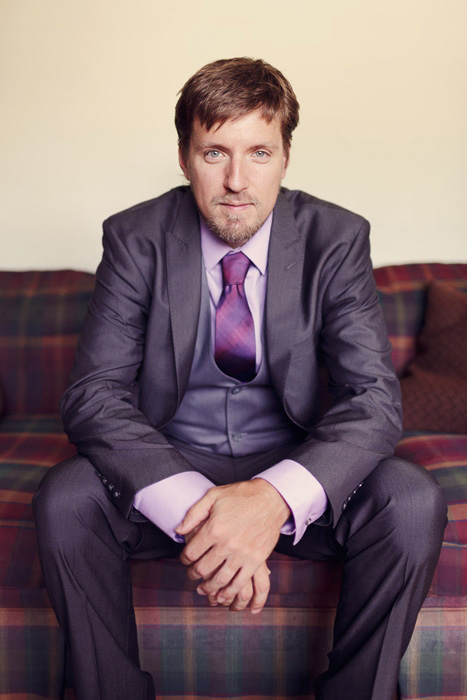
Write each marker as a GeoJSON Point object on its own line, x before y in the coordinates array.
{"type": "Point", "coordinates": [184, 267]}
{"type": "Point", "coordinates": [285, 265]}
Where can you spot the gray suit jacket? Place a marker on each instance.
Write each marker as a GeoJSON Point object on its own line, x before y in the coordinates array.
{"type": "Point", "coordinates": [134, 356]}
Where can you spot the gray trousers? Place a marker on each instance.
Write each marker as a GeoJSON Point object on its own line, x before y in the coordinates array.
{"type": "Point", "coordinates": [388, 538]}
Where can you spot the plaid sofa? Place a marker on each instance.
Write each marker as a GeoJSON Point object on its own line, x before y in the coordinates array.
{"type": "Point", "coordinates": [193, 651]}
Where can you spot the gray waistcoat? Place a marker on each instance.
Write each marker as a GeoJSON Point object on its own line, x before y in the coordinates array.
{"type": "Point", "coordinates": [220, 414]}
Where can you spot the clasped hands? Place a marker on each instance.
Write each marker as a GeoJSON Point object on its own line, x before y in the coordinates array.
{"type": "Point", "coordinates": [229, 534]}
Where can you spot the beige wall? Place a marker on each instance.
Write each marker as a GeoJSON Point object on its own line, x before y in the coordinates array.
{"type": "Point", "coordinates": [88, 89]}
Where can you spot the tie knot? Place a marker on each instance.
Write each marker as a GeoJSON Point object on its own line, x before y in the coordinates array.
{"type": "Point", "coordinates": [234, 268]}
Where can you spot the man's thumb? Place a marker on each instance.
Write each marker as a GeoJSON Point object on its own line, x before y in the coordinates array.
{"type": "Point", "coordinates": [197, 514]}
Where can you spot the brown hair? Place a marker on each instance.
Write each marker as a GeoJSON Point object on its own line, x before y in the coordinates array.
{"type": "Point", "coordinates": [229, 89]}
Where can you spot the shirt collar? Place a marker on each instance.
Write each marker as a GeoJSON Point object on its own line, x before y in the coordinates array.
{"type": "Point", "coordinates": [256, 248]}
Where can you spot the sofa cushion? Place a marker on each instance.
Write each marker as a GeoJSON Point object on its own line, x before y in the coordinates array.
{"type": "Point", "coordinates": [31, 445]}
{"type": "Point", "coordinates": [173, 621]}
{"type": "Point", "coordinates": [434, 392]}
{"type": "Point", "coordinates": [41, 315]}
{"type": "Point", "coordinates": [402, 293]}
{"type": "Point", "coordinates": [166, 600]}
{"type": "Point", "coordinates": [28, 447]}
{"type": "Point", "coordinates": [445, 456]}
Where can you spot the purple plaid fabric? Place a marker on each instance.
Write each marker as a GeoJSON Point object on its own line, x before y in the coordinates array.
{"type": "Point", "coordinates": [235, 350]}
{"type": "Point", "coordinates": [41, 314]}
{"type": "Point", "coordinates": [402, 292]}
{"type": "Point", "coordinates": [194, 651]}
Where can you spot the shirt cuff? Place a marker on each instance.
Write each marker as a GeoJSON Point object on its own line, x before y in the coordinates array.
{"type": "Point", "coordinates": [166, 502]}
{"type": "Point", "coordinates": [301, 491]}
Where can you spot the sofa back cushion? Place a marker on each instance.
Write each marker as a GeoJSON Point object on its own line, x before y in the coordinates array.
{"type": "Point", "coordinates": [434, 390]}
{"type": "Point", "coordinates": [41, 315]}
{"type": "Point", "coordinates": [402, 291]}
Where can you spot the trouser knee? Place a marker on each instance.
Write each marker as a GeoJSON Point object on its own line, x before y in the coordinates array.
{"type": "Point", "coordinates": [65, 499]}
{"type": "Point", "coordinates": [419, 506]}
{"type": "Point", "coordinates": [405, 504]}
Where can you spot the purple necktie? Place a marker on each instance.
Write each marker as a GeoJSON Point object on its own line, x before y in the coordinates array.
{"type": "Point", "coordinates": [235, 351]}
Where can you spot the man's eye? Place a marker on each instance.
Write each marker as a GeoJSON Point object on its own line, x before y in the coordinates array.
{"type": "Point", "coordinates": [213, 154]}
{"type": "Point", "coordinates": [261, 155]}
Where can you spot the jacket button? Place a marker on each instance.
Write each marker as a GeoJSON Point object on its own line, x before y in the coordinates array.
{"type": "Point", "coordinates": [116, 494]}
{"type": "Point", "coordinates": [104, 481]}
{"type": "Point", "coordinates": [111, 487]}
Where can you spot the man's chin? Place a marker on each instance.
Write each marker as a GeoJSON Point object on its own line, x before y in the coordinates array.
{"type": "Point", "coordinates": [234, 233]}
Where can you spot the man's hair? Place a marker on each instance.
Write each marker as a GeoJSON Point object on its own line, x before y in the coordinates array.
{"type": "Point", "coordinates": [229, 89]}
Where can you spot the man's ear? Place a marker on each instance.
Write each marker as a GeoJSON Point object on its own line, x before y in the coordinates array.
{"type": "Point", "coordinates": [285, 163]}
{"type": "Point", "coordinates": [183, 164]}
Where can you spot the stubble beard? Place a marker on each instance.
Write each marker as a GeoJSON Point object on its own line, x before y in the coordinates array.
{"type": "Point", "coordinates": [235, 229]}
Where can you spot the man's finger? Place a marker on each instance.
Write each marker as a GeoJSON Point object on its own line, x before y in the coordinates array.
{"type": "Point", "coordinates": [225, 577]}
{"type": "Point", "coordinates": [261, 586]}
{"type": "Point", "coordinates": [228, 590]}
{"type": "Point", "coordinates": [198, 513]}
{"type": "Point", "coordinates": [206, 566]}
{"type": "Point", "coordinates": [243, 597]}
{"type": "Point", "coordinates": [201, 554]}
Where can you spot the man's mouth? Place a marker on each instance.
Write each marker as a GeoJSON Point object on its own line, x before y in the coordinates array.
{"type": "Point", "coordinates": [237, 207]}
{"type": "Point", "coordinates": [235, 204]}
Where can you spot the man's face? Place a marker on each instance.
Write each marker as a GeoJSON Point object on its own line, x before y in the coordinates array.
{"type": "Point", "coordinates": [235, 171]}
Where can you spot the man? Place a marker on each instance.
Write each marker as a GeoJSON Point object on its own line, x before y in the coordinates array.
{"type": "Point", "coordinates": [197, 407]}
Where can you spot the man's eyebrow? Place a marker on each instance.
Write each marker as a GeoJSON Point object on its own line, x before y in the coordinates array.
{"type": "Point", "coordinates": [269, 145]}
{"type": "Point", "coordinates": [213, 146]}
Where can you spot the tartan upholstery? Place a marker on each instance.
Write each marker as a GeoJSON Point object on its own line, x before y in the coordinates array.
{"type": "Point", "coordinates": [196, 652]}
{"type": "Point", "coordinates": [41, 314]}
{"type": "Point", "coordinates": [402, 291]}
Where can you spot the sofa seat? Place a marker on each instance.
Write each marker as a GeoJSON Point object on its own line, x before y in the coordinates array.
{"type": "Point", "coordinates": [32, 650]}
{"type": "Point", "coordinates": [196, 652]}
{"type": "Point", "coordinates": [173, 621]}
{"type": "Point", "coordinates": [435, 663]}
{"type": "Point", "coordinates": [445, 456]}
{"type": "Point", "coordinates": [295, 629]}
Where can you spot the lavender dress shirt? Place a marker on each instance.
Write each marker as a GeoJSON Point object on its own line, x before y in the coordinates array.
{"type": "Point", "coordinates": [166, 502]}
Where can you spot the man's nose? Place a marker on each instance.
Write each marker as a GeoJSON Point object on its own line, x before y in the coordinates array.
{"type": "Point", "coordinates": [236, 178]}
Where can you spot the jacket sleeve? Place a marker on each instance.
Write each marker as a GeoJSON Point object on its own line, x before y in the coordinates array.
{"type": "Point", "coordinates": [100, 409]}
{"type": "Point", "coordinates": [363, 424]}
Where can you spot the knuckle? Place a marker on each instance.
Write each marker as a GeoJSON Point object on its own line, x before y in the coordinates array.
{"type": "Point", "coordinates": [187, 556]}
{"type": "Point", "coordinates": [222, 584]}
{"type": "Point", "coordinates": [184, 558]}
{"type": "Point", "coordinates": [195, 572]}
{"type": "Point", "coordinates": [207, 588]}
{"type": "Point", "coordinates": [215, 531]}
{"type": "Point", "coordinates": [258, 600]}
{"type": "Point", "coordinates": [223, 578]}
{"type": "Point", "coordinates": [262, 588]}
{"type": "Point", "coordinates": [230, 591]}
